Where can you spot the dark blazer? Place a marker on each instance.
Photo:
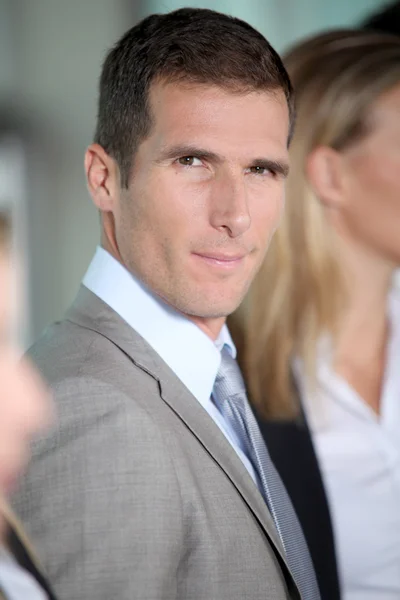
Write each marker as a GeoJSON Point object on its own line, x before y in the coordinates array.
{"type": "Point", "coordinates": [22, 555]}
{"type": "Point", "coordinates": [291, 448]}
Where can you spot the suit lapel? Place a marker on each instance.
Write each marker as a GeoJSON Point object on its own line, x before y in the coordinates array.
{"type": "Point", "coordinates": [199, 422]}
{"type": "Point", "coordinates": [91, 312]}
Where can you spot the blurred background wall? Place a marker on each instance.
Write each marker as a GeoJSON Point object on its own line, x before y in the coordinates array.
{"type": "Point", "coordinates": [50, 58]}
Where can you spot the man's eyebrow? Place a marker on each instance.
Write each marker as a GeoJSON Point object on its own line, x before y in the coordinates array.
{"type": "Point", "coordinates": [182, 150]}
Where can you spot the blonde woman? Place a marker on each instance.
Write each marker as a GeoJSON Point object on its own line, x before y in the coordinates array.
{"type": "Point", "coordinates": [319, 334]}
{"type": "Point", "coordinates": [24, 410]}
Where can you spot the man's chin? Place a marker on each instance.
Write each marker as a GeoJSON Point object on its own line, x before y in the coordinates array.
{"type": "Point", "coordinates": [212, 309]}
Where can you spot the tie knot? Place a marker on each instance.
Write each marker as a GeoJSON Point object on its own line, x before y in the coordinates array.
{"type": "Point", "coordinates": [229, 381]}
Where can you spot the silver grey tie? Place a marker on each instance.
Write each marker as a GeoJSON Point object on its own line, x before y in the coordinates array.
{"type": "Point", "coordinates": [229, 394]}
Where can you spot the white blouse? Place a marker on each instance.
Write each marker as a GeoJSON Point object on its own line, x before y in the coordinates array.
{"type": "Point", "coordinates": [359, 456]}
{"type": "Point", "coordinates": [15, 582]}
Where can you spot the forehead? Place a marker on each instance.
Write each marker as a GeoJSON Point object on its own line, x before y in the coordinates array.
{"type": "Point", "coordinates": [387, 106]}
{"type": "Point", "coordinates": [383, 126]}
{"type": "Point", "coordinates": [208, 115]}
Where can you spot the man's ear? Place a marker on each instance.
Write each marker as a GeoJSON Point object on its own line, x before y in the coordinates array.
{"type": "Point", "coordinates": [325, 173]}
{"type": "Point", "coordinates": [102, 176]}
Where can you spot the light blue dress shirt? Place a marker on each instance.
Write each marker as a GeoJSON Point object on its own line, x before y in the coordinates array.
{"type": "Point", "coordinates": [183, 346]}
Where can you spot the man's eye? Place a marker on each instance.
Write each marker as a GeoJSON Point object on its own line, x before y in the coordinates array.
{"type": "Point", "coordinates": [189, 161]}
{"type": "Point", "coordinates": [258, 170]}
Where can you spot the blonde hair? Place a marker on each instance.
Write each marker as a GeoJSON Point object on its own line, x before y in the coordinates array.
{"type": "Point", "coordinates": [12, 521]}
{"type": "Point", "coordinates": [298, 291]}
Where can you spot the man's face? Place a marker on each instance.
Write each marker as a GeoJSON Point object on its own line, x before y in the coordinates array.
{"type": "Point", "coordinates": [205, 195]}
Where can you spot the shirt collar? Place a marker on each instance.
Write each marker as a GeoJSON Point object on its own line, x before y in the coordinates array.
{"type": "Point", "coordinates": [185, 348]}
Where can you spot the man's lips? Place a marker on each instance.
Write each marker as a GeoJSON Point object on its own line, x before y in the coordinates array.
{"type": "Point", "coordinates": [220, 259]}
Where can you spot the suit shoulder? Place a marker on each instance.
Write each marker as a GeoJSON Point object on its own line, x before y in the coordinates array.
{"type": "Point", "coordinates": [90, 377]}
{"type": "Point", "coordinates": [63, 343]}
{"type": "Point", "coordinates": [68, 351]}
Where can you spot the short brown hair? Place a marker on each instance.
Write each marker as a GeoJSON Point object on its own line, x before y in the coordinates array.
{"type": "Point", "coordinates": [194, 45]}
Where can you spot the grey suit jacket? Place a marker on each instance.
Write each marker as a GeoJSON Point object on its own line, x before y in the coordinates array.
{"type": "Point", "coordinates": [136, 493]}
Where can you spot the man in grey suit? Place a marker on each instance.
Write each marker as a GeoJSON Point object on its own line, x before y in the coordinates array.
{"type": "Point", "coordinates": [146, 489]}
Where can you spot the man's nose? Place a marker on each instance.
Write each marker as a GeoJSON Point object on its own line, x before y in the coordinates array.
{"type": "Point", "coordinates": [229, 204]}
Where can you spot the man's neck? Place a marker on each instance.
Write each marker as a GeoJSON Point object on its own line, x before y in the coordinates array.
{"type": "Point", "coordinates": [211, 327]}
